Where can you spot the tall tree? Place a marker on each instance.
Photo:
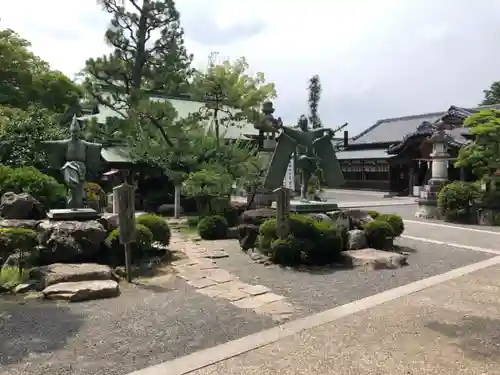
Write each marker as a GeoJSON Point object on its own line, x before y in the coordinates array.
{"type": "Point", "coordinates": [314, 97]}
{"type": "Point", "coordinates": [148, 56]}
{"type": "Point", "coordinates": [483, 154]}
{"type": "Point", "coordinates": [26, 80]}
{"type": "Point", "coordinates": [139, 61]}
{"type": "Point", "coordinates": [237, 88]}
{"type": "Point", "coordinates": [492, 94]}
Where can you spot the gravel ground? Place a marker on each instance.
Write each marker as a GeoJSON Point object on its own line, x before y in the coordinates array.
{"type": "Point", "coordinates": [140, 328]}
{"type": "Point", "coordinates": [311, 292]}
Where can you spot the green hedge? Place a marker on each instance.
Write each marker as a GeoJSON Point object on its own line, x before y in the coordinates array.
{"type": "Point", "coordinates": [212, 227]}
{"type": "Point", "coordinates": [30, 180]}
{"type": "Point", "coordinates": [318, 242]}
{"type": "Point", "coordinates": [143, 243]}
{"type": "Point", "coordinates": [455, 201]}
{"type": "Point", "coordinates": [395, 221]}
{"type": "Point", "coordinates": [378, 234]}
{"type": "Point", "coordinates": [158, 227]}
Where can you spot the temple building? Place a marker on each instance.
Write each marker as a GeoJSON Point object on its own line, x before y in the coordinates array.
{"type": "Point", "coordinates": [393, 154]}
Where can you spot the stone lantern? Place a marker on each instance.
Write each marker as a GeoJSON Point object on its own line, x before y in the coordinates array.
{"type": "Point", "coordinates": [427, 204]}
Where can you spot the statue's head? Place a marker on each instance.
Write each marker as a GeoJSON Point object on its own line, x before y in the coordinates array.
{"type": "Point", "coordinates": [303, 123]}
{"type": "Point", "coordinates": [75, 129]}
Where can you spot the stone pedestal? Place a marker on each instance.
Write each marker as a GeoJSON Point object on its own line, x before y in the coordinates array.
{"type": "Point", "coordinates": [310, 207]}
{"type": "Point", "coordinates": [80, 214]}
{"type": "Point", "coordinates": [263, 198]}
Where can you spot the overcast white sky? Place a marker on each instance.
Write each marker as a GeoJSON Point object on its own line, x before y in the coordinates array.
{"type": "Point", "coordinates": [376, 58]}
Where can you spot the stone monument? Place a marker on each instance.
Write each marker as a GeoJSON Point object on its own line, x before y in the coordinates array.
{"type": "Point", "coordinates": [73, 156]}
{"type": "Point", "coordinates": [427, 203]}
{"type": "Point", "coordinates": [267, 127]}
{"type": "Point", "coordinates": [314, 150]}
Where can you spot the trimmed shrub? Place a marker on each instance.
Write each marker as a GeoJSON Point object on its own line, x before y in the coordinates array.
{"type": "Point", "coordinates": [373, 214]}
{"type": "Point", "coordinates": [30, 180]}
{"type": "Point", "coordinates": [378, 233]}
{"type": "Point", "coordinates": [95, 196]}
{"type": "Point", "coordinates": [320, 242]}
{"type": "Point", "coordinates": [212, 227]}
{"type": "Point", "coordinates": [327, 243]}
{"type": "Point", "coordinates": [395, 221]}
{"type": "Point", "coordinates": [496, 220]}
{"type": "Point", "coordinates": [142, 245]}
{"type": "Point", "coordinates": [158, 227]}
{"type": "Point", "coordinates": [286, 251]}
{"type": "Point", "coordinates": [455, 200]}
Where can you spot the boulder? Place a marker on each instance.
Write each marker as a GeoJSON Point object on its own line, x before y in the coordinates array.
{"type": "Point", "coordinates": [247, 236]}
{"type": "Point", "coordinates": [168, 209]}
{"type": "Point", "coordinates": [82, 290]}
{"type": "Point", "coordinates": [320, 217]}
{"type": "Point", "coordinates": [341, 219]}
{"type": "Point", "coordinates": [257, 216]}
{"type": "Point", "coordinates": [70, 241]}
{"type": "Point", "coordinates": [373, 259]}
{"type": "Point", "coordinates": [63, 273]}
{"type": "Point", "coordinates": [232, 233]}
{"type": "Point", "coordinates": [350, 218]}
{"type": "Point", "coordinates": [358, 218]}
{"type": "Point", "coordinates": [21, 207]}
{"type": "Point", "coordinates": [13, 223]}
{"type": "Point", "coordinates": [356, 239]}
{"type": "Point", "coordinates": [29, 258]}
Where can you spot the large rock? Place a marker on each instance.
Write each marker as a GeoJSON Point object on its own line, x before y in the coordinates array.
{"type": "Point", "coordinates": [374, 259]}
{"type": "Point", "coordinates": [21, 206]}
{"type": "Point", "coordinates": [356, 239]}
{"type": "Point", "coordinates": [13, 223]}
{"type": "Point", "coordinates": [82, 290]}
{"type": "Point", "coordinates": [63, 273]}
{"type": "Point", "coordinates": [70, 241]}
{"type": "Point", "coordinates": [258, 216]}
{"type": "Point", "coordinates": [320, 217]}
{"type": "Point", "coordinates": [353, 218]}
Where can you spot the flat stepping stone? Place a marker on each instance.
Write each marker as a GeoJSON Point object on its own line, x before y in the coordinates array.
{"type": "Point", "coordinates": [220, 275]}
{"type": "Point", "coordinates": [254, 302]}
{"type": "Point", "coordinates": [375, 259]}
{"type": "Point", "coordinates": [255, 290]}
{"type": "Point", "coordinates": [82, 290]}
{"type": "Point", "coordinates": [201, 283]}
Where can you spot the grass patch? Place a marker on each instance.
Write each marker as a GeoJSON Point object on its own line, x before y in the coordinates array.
{"type": "Point", "coordinates": [188, 230]}
{"type": "Point", "coordinates": [10, 276]}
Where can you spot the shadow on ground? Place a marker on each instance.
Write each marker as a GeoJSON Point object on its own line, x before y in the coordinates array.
{"type": "Point", "coordinates": [28, 327]}
{"type": "Point", "coordinates": [477, 337]}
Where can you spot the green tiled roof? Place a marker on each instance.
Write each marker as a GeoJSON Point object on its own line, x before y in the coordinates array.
{"type": "Point", "coordinates": [116, 154]}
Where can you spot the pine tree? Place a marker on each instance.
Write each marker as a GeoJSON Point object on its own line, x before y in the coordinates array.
{"type": "Point", "coordinates": [139, 62]}
{"type": "Point", "coordinates": [314, 97]}
{"type": "Point", "coordinates": [148, 57]}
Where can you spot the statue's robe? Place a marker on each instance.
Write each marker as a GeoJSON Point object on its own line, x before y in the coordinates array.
{"type": "Point", "coordinates": [287, 143]}
{"type": "Point", "coordinates": [73, 159]}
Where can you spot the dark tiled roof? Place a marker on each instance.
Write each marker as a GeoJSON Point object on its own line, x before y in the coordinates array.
{"type": "Point", "coordinates": [394, 130]}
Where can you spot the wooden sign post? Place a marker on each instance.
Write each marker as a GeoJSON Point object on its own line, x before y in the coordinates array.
{"type": "Point", "coordinates": [125, 198]}
{"type": "Point", "coordinates": [283, 196]}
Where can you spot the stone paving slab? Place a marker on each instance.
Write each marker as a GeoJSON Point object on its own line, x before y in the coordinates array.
{"type": "Point", "coordinates": [210, 280]}
{"type": "Point", "coordinates": [450, 328]}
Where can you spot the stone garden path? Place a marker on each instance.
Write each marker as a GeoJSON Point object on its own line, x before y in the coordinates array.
{"type": "Point", "coordinates": [201, 272]}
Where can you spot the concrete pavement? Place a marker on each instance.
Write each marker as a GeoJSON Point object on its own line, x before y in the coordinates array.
{"type": "Point", "coordinates": [449, 328]}
{"type": "Point", "coordinates": [444, 324]}
{"type": "Point", "coordinates": [440, 325]}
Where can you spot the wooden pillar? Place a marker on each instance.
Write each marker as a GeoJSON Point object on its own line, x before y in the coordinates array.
{"type": "Point", "coordinates": [125, 197]}
{"type": "Point", "coordinates": [177, 201]}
